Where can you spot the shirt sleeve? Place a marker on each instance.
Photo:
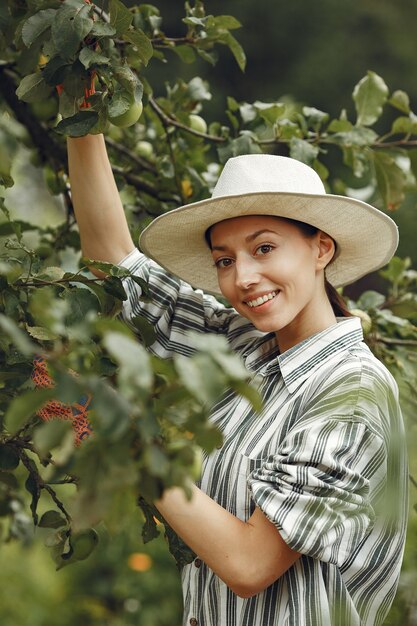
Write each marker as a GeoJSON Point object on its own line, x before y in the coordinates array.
{"type": "Point", "coordinates": [174, 309]}
{"type": "Point", "coordinates": [316, 489]}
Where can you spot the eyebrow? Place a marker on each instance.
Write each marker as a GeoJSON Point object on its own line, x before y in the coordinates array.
{"type": "Point", "coordinates": [249, 238]}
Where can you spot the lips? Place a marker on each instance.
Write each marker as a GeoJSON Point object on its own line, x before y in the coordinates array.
{"type": "Point", "coordinates": [261, 299]}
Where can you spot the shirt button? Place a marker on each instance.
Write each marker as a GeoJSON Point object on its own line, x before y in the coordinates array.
{"type": "Point", "coordinates": [193, 621]}
{"type": "Point", "coordinates": [197, 562]}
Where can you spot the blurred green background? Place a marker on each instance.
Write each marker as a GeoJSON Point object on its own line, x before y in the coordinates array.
{"type": "Point", "coordinates": [314, 52]}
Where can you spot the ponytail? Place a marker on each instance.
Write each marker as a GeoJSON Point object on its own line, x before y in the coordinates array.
{"type": "Point", "coordinates": [337, 302]}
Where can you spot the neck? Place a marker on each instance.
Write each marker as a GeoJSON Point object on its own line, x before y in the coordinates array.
{"type": "Point", "coordinates": [317, 317]}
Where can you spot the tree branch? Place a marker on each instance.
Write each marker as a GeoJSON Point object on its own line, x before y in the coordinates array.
{"type": "Point", "coordinates": [143, 163]}
{"type": "Point", "coordinates": [399, 342]}
{"type": "Point", "coordinates": [168, 120]}
{"type": "Point", "coordinates": [143, 185]}
{"type": "Point", "coordinates": [49, 150]}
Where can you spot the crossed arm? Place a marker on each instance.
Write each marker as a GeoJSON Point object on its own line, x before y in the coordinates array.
{"type": "Point", "coordinates": [247, 556]}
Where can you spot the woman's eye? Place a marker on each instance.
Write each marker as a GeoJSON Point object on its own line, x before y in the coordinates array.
{"type": "Point", "coordinates": [264, 248]}
{"type": "Point", "coordinates": [222, 263]}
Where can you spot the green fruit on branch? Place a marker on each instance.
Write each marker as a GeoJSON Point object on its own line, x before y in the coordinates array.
{"type": "Point", "coordinates": [129, 117]}
{"type": "Point", "coordinates": [83, 543]}
{"type": "Point", "coordinates": [365, 320]}
{"type": "Point", "coordinates": [197, 123]}
{"type": "Point", "coordinates": [45, 109]}
{"type": "Point", "coordinates": [144, 149]}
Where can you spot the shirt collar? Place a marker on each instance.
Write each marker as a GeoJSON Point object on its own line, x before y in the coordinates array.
{"type": "Point", "coordinates": [299, 362]}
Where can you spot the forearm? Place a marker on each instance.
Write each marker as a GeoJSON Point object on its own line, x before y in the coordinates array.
{"type": "Point", "coordinates": [98, 209]}
{"type": "Point", "coordinates": [247, 556]}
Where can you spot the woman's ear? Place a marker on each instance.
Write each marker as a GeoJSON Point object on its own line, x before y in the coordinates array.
{"type": "Point", "coordinates": [326, 250]}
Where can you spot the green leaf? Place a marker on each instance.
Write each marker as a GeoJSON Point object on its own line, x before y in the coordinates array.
{"type": "Point", "coordinates": [405, 125]}
{"type": "Point", "coordinates": [129, 81]}
{"type": "Point", "coordinates": [23, 407]}
{"type": "Point", "coordinates": [242, 145]}
{"type": "Point", "coordinates": [40, 333]}
{"type": "Point", "coordinates": [390, 179]}
{"type": "Point", "coordinates": [182, 554]}
{"type": "Point", "coordinates": [119, 104]}
{"type": "Point", "coordinates": [371, 300]}
{"type": "Point", "coordinates": [78, 125]}
{"type": "Point", "coordinates": [141, 43]}
{"type": "Point", "coordinates": [145, 329]}
{"type": "Point", "coordinates": [340, 126]}
{"type": "Point", "coordinates": [228, 22]}
{"type": "Point", "coordinates": [145, 295]}
{"type": "Point", "coordinates": [235, 48]}
{"type": "Point", "coordinates": [395, 270]}
{"type": "Point", "coordinates": [198, 375]}
{"type": "Point", "coordinates": [120, 17]}
{"type": "Point", "coordinates": [52, 519]}
{"type": "Point", "coordinates": [36, 25]}
{"type": "Point", "coordinates": [9, 479]}
{"type": "Point", "coordinates": [315, 117]}
{"type": "Point", "coordinates": [9, 457]}
{"type": "Point", "coordinates": [102, 29]}
{"type": "Point", "coordinates": [90, 57]}
{"type": "Point", "coordinates": [250, 393]}
{"type": "Point", "coordinates": [302, 150]}
{"type": "Point", "coordinates": [52, 273]}
{"type": "Point", "coordinates": [107, 268]}
{"type": "Point", "coordinates": [5, 172]}
{"type": "Point", "coordinates": [80, 303]}
{"type": "Point", "coordinates": [359, 136]}
{"type": "Point", "coordinates": [195, 21]}
{"type": "Point", "coordinates": [156, 461]}
{"type": "Point", "coordinates": [134, 362]}
{"type": "Point", "coordinates": [51, 434]}
{"type": "Point", "coordinates": [186, 53]}
{"type": "Point", "coordinates": [114, 286]}
{"type": "Point", "coordinates": [369, 95]}
{"type": "Point", "coordinates": [149, 529]}
{"type": "Point", "coordinates": [198, 89]}
{"type": "Point", "coordinates": [111, 417]}
{"type": "Point", "coordinates": [271, 113]}
{"type": "Point", "coordinates": [412, 155]}
{"type": "Point", "coordinates": [69, 27]}
{"type": "Point", "coordinates": [401, 101]}
{"type": "Point", "coordinates": [33, 487]}
{"type": "Point", "coordinates": [83, 543]}
{"type": "Point", "coordinates": [17, 335]}
{"type": "Point", "coordinates": [33, 88]}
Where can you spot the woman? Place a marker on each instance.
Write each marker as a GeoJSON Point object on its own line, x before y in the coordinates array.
{"type": "Point", "coordinates": [299, 518]}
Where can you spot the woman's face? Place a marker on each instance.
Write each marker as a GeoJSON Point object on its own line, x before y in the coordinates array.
{"type": "Point", "coordinates": [272, 274]}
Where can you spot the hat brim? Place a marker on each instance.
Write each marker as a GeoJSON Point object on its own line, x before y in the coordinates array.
{"type": "Point", "coordinates": [366, 238]}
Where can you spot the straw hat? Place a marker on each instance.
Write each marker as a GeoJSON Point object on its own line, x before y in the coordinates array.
{"type": "Point", "coordinates": [265, 184]}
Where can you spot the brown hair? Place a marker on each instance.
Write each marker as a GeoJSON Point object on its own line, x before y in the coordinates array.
{"type": "Point", "coordinates": [337, 302]}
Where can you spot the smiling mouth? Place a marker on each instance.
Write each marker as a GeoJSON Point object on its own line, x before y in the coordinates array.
{"type": "Point", "coordinates": [261, 300]}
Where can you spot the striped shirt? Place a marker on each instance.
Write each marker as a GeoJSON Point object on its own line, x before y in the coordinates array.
{"type": "Point", "coordinates": [325, 461]}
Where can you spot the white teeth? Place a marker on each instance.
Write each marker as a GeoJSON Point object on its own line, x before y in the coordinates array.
{"type": "Point", "coordinates": [262, 299]}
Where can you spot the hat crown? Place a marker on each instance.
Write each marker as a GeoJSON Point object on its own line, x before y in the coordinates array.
{"type": "Point", "coordinates": [262, 173]}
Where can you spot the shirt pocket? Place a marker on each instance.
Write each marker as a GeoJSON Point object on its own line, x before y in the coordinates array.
{"type": "Point", "coordinates": [245, 504]}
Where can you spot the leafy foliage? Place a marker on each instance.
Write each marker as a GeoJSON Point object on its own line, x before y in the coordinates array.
{"type": "Point", "coordinates": [92, 61]}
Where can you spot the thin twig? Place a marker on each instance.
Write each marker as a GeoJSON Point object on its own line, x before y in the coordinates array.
{"type": "Point", "coordinates": [399, 342]}
{"type": "Point", "coordinates": [38, 282]}
{"type": "Point", "coordinates": [412, 480]}
{"type": "Point", "coordinates": [168, 120]}
{"type": "Point", "coordinates": [29, 464]}
{"type": "Point", "coordinates": [143, 163]}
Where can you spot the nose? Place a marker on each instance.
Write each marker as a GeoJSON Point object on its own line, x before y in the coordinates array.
{"type": "Point", "coordinates": [246, 273]}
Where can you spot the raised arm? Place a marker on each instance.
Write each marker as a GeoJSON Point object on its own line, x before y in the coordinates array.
{"type": "Point", "coordinates": [102, 223]}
